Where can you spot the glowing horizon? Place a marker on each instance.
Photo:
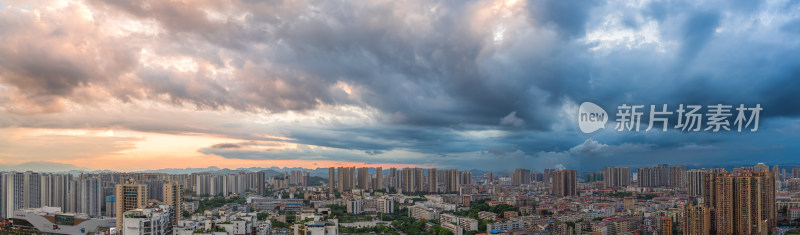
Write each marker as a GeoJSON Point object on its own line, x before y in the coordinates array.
{"type": "Point", "coordinates": [488, 84]}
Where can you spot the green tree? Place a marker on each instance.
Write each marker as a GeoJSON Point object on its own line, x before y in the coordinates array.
{"type": "Point", "coordinates": [278, 224]}
{"type": "Point", "coordinates": [499, 209]}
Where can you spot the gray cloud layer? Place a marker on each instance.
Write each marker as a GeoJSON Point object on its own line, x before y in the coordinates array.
{"type": "Point", "coordinates": [442, 74]}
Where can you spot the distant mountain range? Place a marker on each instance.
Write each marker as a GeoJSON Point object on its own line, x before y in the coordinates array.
{"type": "Point", "coordinates": [54, 167]}
{"type": "Point", "coordinates": [43, 167]}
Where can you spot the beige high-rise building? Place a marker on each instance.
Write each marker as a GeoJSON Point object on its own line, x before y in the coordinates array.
{"type": "Point", "coordinates": [761, 167]}
{"type": "Point", "coordinates": [629, 203]}
{"type": "Point", "coordinates": [331, 179]}
{"type": "Point", "coordinates": [419, 180]}
{"type": "Point", "coordinates": [450, 180]}
{"type": "Point", "coordinates": [617, 176]}
{"type": "Point", "coordinates": [173, 196]}
{"type": "Point", "coordinates": [130, 195]}
{"type": "Point", "coordinates": [363, 178]}
{"type": "Point", "coordinates": [520, 177]}
{"type": "Point", "coordinates": [696, 220]}
{"type": "Point", "coordinates": [408, 180]}
{"type": "Point", "coordinates": [665, 226]}
{"type": "Point", "coordinates": [657, 176]}
{"type": "Point", "coordinates": [465, 178]}
{"type": "Point", "coordinates": [742, 203]}
{"type": "Point", "coordinates": [565, 183]}
{"type": "Point", "coordinates": [346, 178]}
{"type": "Point", "coordinates": [379, 178]}
{"type": "Point", "coordinates": [433, 180]}
{"type": "Point", "coordinates": [694, 181]}
{"type": "Point", "coordinates": [677, 176]}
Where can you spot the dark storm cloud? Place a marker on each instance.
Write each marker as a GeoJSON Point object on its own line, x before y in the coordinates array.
{"type": "Point", "coordinates": [569, 16]}
{"type": "Point", "coordinates": [452, 79]}
{"type": "Point", "coordinates": [697, 31]}
{"type": "Point", "coordinates": [226, 146]}
{"type": "Point", "coordinates": [403, 68]}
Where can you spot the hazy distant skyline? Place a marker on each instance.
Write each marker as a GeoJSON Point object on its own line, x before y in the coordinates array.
{"type": "Point", "coordinates": [131, 85]}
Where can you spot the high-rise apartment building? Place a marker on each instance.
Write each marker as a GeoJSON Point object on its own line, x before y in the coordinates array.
{"type": "Point", "coordinates": [379, 178]}
{"type": "Point", "coordinates": [331, 180]}
{"type": "Point", "coordinates": [346, 178]}
{"type": "Point", "coordinates": [742, 203]}
{"type": "Point", "coordinates": [617, 176]}
{"type": "Point", "coordinates": [88, 195]}
{"type": "Point", "coordinates": [298, 178]}
{"type": "Point", "coordinates": [565, 183]}
{"type": "Point", "coordinates": [408, 183]}
{"type": "Point", "coordinates": [129, 196]}
{"type": "Point", "coordinates": [694, 181]}
{"type": "Point", "coordinates": [696, 220]}
{"type": "Point", "coordinates": [665, 226]}
{"type": "Point", "coordinates": [257, 181]}
{"type": "Point", "coordinates": [20, 190]}
{"type": "Point", "coordinates": [55, 189]}
{"type": "Point", "coordinates": [677, 176]}
{"type": "Point", "coordinates": [761, 167]}
{"type": "Point", "coordinates": [520, 177]}
{"type": "Point", "coordinates": [214, 185]}
{"type": "Point", "coordinates": [465, 177]}
{"type": "Point", "coordinates": [433, 180]}
{"type": "Point", "coordinates": [394, 178]}
{"type": "Point", "coordinates": [173, 196]}
{"type": "Point", "coordinates": [653, 176]}
{"type": "Point", "coordinates": [548, 175]}
{"type": "Point", "coordinates": [537, 176]}
{"type": "Point", "coordinates": [363, 178]}
{"type": "Point", "coordinates": [419, 180]}
{"type": "Point", "coordinates": [451, 183]}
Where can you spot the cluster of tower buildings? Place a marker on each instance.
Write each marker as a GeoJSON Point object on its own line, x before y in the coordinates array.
{"type": "Point", "coordinates": [737, 202]}
{"type": "Point", "coordinates": [409, 180]}
{"type": "Point", "coordinates": [75, 194]}
{"type": "Point", "coordinates": [295, 177]}
{"type": "Point", "coordinates": [432, 180]}
{"type": "Point", "coordinates": [112, 194]}
{"type": "Point", "coordinates": [734, 203]}
{"type": "Point", "coordinates": [214, 185]}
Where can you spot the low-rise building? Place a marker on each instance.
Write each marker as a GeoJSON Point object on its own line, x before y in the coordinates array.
{"type": "Point", "coordinates": [510, 214]}
{"type": "Point", "coordinates": [317, 227]}
{"type": "Point", "coordinates": [151, 221]}
{"type": "Point", "coordinates": [507, 225]}
{"type": "Point", "coordinates": [420, 211]}
{"type": "Point", "coordinates": [52, 220]}
{"type": "Point", "coordinates": [486, 215]}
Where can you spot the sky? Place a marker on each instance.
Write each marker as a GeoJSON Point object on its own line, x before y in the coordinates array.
{"type": "Point", "coordinates": [480, 84]}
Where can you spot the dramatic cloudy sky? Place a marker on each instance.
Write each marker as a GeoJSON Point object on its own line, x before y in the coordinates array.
{"type": "Point", "coordinates": [488, 84]}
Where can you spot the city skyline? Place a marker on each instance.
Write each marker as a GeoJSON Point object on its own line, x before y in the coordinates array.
{"type": "Point", "coordinates": [486, 84]}
{"type": "Point", "coordinates": [752, 199]}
